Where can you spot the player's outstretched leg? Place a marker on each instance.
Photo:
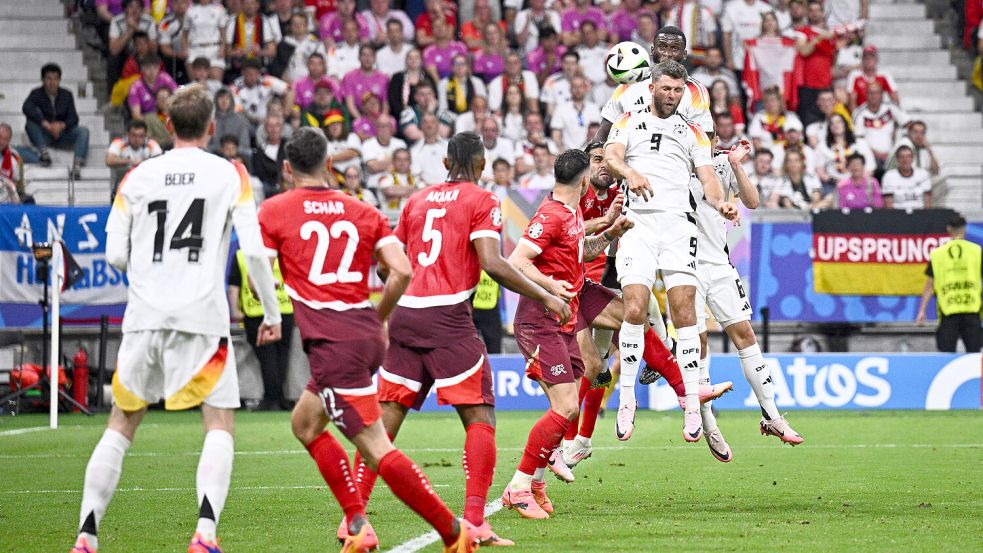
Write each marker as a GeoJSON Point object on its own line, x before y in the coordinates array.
{"type": "Point", "coordinates": [758, 375]}
{"type": "Point", "coordinates": [102, 475]}
{"type": "Point", "coordinates": [711, 432]}
{"type": "Point", "coordinates": [479, 469]}
{"type": "Point", "coordinates": [213, 477]}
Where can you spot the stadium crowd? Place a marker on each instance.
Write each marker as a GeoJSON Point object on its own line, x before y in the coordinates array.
{"type": "Point", "coordinates": [390, 81]}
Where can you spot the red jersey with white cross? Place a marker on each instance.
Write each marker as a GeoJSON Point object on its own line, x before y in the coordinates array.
{"type": "Point", "coordinates": [437, 227]}
{"type": "Point", "coordinates": [593, 206]}
{"type": "Point", "coordinates": [556, 233]}
{"type": "Point", "coordinates": [325, 240]}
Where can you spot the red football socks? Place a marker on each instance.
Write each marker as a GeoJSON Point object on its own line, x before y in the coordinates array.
{"type": "Point", "coordinates": [364, 476]}
{"type": "Point", "coordinates": [657, 356]}
{"type": "Point", "coordinates": [412, 487]}
{"type": "Point", "coordinates": [572, 428]}
{"type": "Point", "coordinates": [479, 470]}
{"type": "Point", "coordinates": [592, 406]}
{"type": "Point", "coordinates": [544, 436]}
{"type": "Point", "coordinates": [332, 461]}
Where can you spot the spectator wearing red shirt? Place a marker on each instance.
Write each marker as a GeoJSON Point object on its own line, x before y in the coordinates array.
{"type": "Point", "coordinates": [424, 22]}
{"type": "Point", "coordinates": [320, 8]}
{"type": "Point", "coordinates": [472, 32]}
{"type": "Point", "coordinates": [817, 50]}
{"type": "Point", "coordinates": [859, 81]}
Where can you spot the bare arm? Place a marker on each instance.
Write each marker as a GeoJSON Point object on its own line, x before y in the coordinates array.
{"type": "Point", "coordinates": [397, 266]}
{"type": "Point", "coordinates": [119, 43]}
{"type": "Point", "coordinates": [927, 293]}
{"type": "Point", "coordinates": [602, 132]}
{"type": "Point", "coordinates": [888, 201]}
{"type": "Point", "coordinates": [727, 50]}
{"type": "Point", "coordinates": [595, 245]}
{"type": "Point", "coordinates": [926, 198]}
{"type": "Point", "coordinates": [597, 224]}
{"type": "Point", "coordinates": [614, 157]}
{"type": "Point", "coordinates": [714, 194]}
{"type": "Point", "coordinates": [379, 165]}
{"type": "Point", "coordinates": [234, 310]}
{"type": "Point", "coordinates": [746, 190]}
{"type": "Point", "coordinates": [492, 262]}
{"type": "Point", "coordinates": [521, 260]}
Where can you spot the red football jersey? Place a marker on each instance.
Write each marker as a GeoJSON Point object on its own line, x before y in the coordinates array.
{"type": "Point", "coordinates": [594, 206]}
{"type": "Point", "coordinates": [325, 240]}
{"type": "Point", "coordinates": [556, 233]}
{"type": "Point", "coordinates": [437, 227]}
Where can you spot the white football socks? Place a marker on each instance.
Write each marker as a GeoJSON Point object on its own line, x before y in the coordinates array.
{"type": "Point", "coordinates": [706, 411]}
{"type": "Point", "coordinates": [214, 476]}
{"type": "Point", "coordinates": [758, 375]}
{"type": "Point", "coordinates": [688, 354]}
{"type": "Point", "coordinates": [659, 324]}
{"type": "Point", "coordinates": [522, 481]}
{"type": "Point", "coordinates": [631, 343]}
{"type": "Point", "coordinates": [101, 477]}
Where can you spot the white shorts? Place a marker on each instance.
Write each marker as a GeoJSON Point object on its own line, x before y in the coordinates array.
{"type": "Point", "coordinates": [183, 369]}
{"type": "Point", "coordinates": [208, 52]}
{"type": "Point", "coordinates": [658, 241]}
{"type": "Point", "coordinates": [721, 289]}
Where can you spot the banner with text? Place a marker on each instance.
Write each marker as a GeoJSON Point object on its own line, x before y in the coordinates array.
{"type": "Point", "coordinates": [878, 252]}
{"type": "Point", "coordinates": [101, 292]}
{"type": "Point", "coordinates": [848, 381]}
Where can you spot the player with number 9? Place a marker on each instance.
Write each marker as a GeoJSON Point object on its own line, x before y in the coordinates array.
{"type": "Point", "coordinates": [451, 231]}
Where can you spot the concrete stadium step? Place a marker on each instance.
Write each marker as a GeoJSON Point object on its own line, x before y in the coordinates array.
{"type": "Point", "coordinates": [957, 152]}
{"type": "Point", "coordinates": [23, 41]}
{"type": "Point", "coordinates": [901, 27]}
{"type": "Point", "coordinates": [943, 71]}
{"type": "Point", "coordinates": [937, 89]}
{"type": "Point", "coordinates": [13, 104]}
{"type": "Point", "coordinates": [87, 193]}
{"type": "Point", "coordinates": [922, 104]}
{"type": "Point", "coordinates": [36, 8]}
{"type": "Point", "coordinates": [894, 42]}
{"type": "Point", "coordinates": [59, 172]}
{"type": "Point", "coordinates": [920, 57]}
{"type": "Point", "coordinates": [37, 27]}
{"type": "Point", "coordinates": [893, 2]}
{"type": "Point", "coordinates": [20, 86]}
{"type": "Point", "coordinates": [881, 12]}
{"type": "Point", "coordinates": [94, 122]}
{"type": "Point", "coordinates": [70, 61]}
{"type": "Point", "coordinates": [942, 122]}
{"type": "Point", "coordinates": [954, 136]}
{"type": "Point", "coordinates": [974, 170]}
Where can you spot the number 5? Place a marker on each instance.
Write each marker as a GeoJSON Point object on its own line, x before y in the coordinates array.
{"type": "Point", "coordinates": [433, 236]}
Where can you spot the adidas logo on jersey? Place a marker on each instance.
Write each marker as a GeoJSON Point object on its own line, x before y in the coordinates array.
{"type": "Point", "coordinates": [641, 101]}
{"type": "Point", "coordinates": [746, 307]}
{"type": "Point", "coordinates": [641, 127]}
{"type": "Point", "coordinates": [631, 359]}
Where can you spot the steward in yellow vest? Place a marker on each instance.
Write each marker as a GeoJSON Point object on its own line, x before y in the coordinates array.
{"type": "Point", "coordinates": [485, 313]}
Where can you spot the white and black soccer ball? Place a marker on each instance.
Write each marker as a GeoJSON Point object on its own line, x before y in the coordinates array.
{"type": "Point", "coordinates": [628, 63]}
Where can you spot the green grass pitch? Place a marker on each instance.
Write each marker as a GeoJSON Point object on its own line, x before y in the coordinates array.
{"type": "Point", "coordinates": [884, 481]}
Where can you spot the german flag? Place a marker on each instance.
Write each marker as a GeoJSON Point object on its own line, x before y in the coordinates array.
{"type": "Point", "coordinates": [878, 253]}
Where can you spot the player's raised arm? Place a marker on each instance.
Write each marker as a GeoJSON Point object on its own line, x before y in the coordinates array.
{"type": "Point", "coordinates": [595, 245]}
{"type": "Point", "coordinates": [593, 226]}
{"type": "Point", "coordinates": [614, 158]}
{"type": "Point", "coordinates": [398, 273]}
{"type": "Point", "coordinates": [257, 255]}
{"type": "Point", "coordinates": [746, 190]}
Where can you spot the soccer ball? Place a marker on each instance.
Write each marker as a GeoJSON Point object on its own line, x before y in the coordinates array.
{"type": "Point", "coordinates": [628, 63]}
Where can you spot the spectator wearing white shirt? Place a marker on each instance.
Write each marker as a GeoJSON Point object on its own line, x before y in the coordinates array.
{"type": "Point", "coordinates": [529, 21]}
{"type": "Point", "coordinates": [254, 91]}
{"type": "Point", "coordinates": [204, 35]}
{"type": "Point", "coordinates": [391, 58]}
{"type": "Point", "coordinates": [343, 56]}
{"type": "Point", "coordinates": [741, 21]}
{"type": "Point", "coordinates": [907, 186]}
{"type": "Point", "coordinates": [877, 122]}
{"type": "Point", "coordinates": [833, 152]}
{"type": "Point", "coordinates": [698, 23]}
{"type": "Point", "coordinates": [397, 184]}
{"type": "Point", "coordinates": [128, 151]}
{"type": "Point", "coordinates": [541, 177]}
{"type": "Point", "coordinates": [592, 52]}
{"type": "Point", "coordinates": [800, 189]}
{"type": "Point", "coordinates": [343, 145]}
{"type": "Point", "coordinates": [353, 185]}
{"type": "Point", "coordinates": [472, 120]}
{"type": "Point", "coordinates": [429, 152]}
{"type": "Point", "coordinates": [763, 176]}
{"type": "Point", "coordinates": [495, 147]}
{"type": "Point", "coordinates": [379, 16]}
{"type": "Point", "coordinates": [767, 127]}
{"type": "Point", "coordinates": [295, 49]}
{"type": "Point", "coordinates": [456, 92]}
{"type": "Point", "coordinates": [535, 134]}
{"type": "Point", "coordinates": [170, 37]}
{"type": "Point", "coordinates": [250, 36]}
{"type": "Point", "coordinates": [514, 74]}
{"type": "Point", "coordinates": [556, 88]}
{"type": "Point", "coordinates": [513, 114]}
{"type": "Point", "coordinates": [377, 151]}
{"type": "Point", "coordinates": [713, 70]}
{"type": "Point", "coordinates": [816, 132]}
{"type": "Point", "coordinates": [121, 31]}
{"type": "Point", "coordinates": [793, 141]}
{"type": "Point", "coordinates": [571, 120]}
{"type": "Point", "coordinates": [917, 140]}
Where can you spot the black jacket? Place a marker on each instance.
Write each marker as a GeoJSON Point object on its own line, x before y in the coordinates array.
{"type": "Point", "coordinates": [39, 107]}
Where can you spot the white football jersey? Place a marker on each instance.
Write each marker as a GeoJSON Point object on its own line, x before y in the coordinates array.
{"type": "Point", "coordinates": [694, 105]}
{"type": "Point", "coordinates": [177, 211]}
{"type": "Point", "coordinates": [712, 236]}
{"type": "Point", "coordinates": [666, 152]}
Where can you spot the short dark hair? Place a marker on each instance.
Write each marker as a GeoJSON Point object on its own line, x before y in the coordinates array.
{"type": "Point", "coordinates": [918, 122]}
{"type": "Point", "coordinates": [591, 146]}
{"type": "Point", "coordinates": [669, 68]}
{"type": "Point", "coordinates": [135, 124]}
{"type": "Point", "coordinates": [671, 30]}
{"type": "Point", "coordinates": [903, 147]}
{"type": "Point", "coordinates": [957, 221]}
{"type": "Point", "coordinates": [764, 151]}
{"type": "Point", "coordinates": [140, 34]}
{"type": "Point", "coordinates": [571, 54]}
{"type": "Point", "coordinates": [50, 68]}
{"type": "Point", "coordinates": [723, 115]}
{"type": "Point", "coordinates": [588, 22]}
{"type": "Point", "coordinates": [394, 21]}
{"type": "Point", "coordinates": [201, 63]}
{"type": "Point", "coordinates": [252, 64]}
{"type": "Point", "coordinates": [150, 60]}
{"type": "Point", "coordinates": [307, 150]}
{"type": "Point", "coordinates": [499, 162]}
{"type": "Point", "coordinates": [570, 165]}
{"type": "Point", "coordinates": [855, 156]}
{"type": "Point", "coordinates": [191, 111]}
{"type": "Point", "coordinates": [227, 138]}
{"type": "Point", "coordinates": [463, 151]}
{"type": "Point", "coordinates": [127, 3]}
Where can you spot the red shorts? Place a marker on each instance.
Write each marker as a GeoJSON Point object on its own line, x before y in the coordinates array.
{"type": "Point", "coordinates": [594, 298]}
{"type": "Point", "coordinates": [341, 375]}
{"type": "Point", "coordinates": [459, 371]}
{"type": "Point", "coordinates": [552, 356]}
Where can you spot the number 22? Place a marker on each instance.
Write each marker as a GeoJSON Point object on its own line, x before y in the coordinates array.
{"type": "Point", "coordinates": [317, 274]}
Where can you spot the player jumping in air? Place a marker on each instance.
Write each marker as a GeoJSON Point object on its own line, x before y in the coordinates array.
{"type": "Point", "coordinates": [656, 151]}
{"type": "Point", "coordinates": [552, 253]}
{"type": "Point", "coordinates": [169, 230]}
{"type": "Point", "coordinates": [719, 287]}
{"type": "Point", "coordinates": [325, 240]}
{"type": "Point", "coordinates": [451, 232]}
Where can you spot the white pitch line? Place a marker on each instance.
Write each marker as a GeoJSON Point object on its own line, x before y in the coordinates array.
{"type": "Point", "coordinates": [141, 489]}
{"type": "Point", "coordinates": [27, 430]}
{"type": "Point", "coordinates": [423, 540]}
{"type": "Point", "coordinates": [286, 452]}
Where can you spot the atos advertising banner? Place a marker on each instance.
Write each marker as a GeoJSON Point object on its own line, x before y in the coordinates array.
{"type": "Point", "coordinates": [847, 381]}
{"type": "Point", "coordinates": [101, 291]}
